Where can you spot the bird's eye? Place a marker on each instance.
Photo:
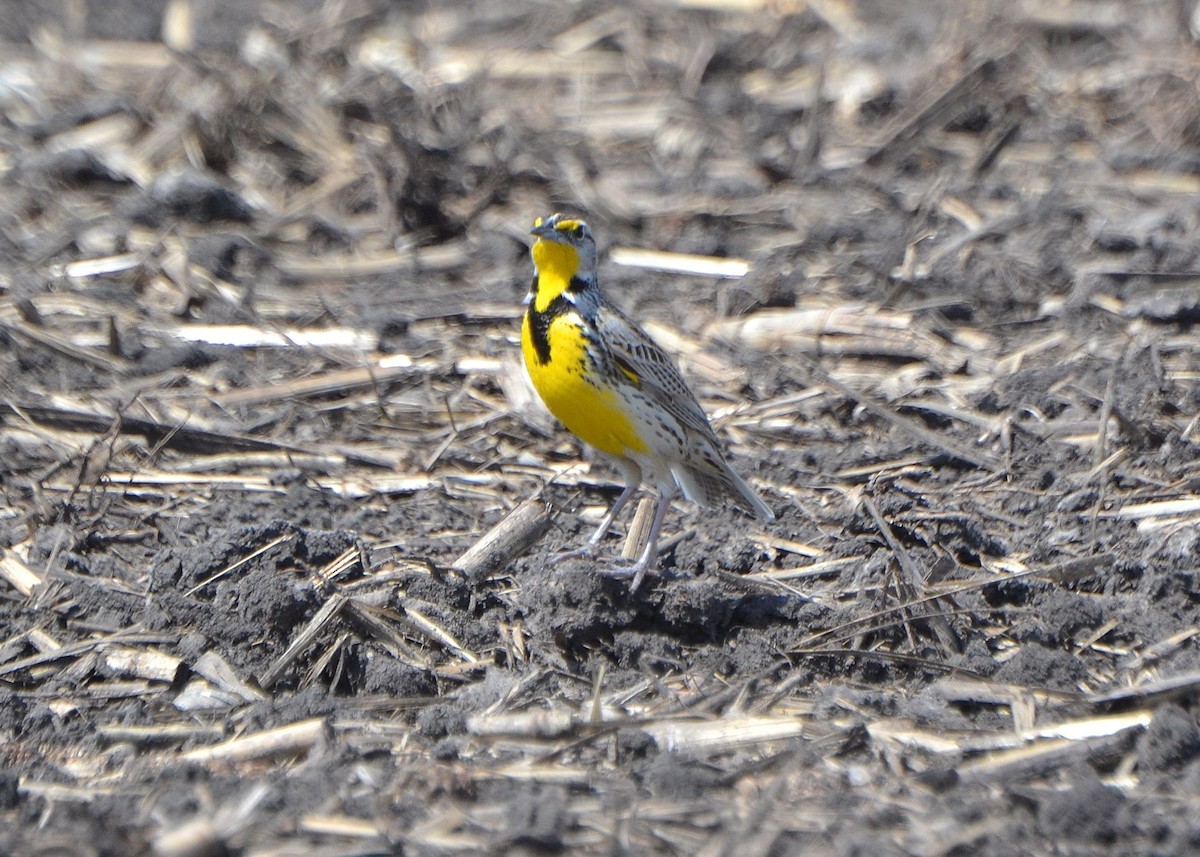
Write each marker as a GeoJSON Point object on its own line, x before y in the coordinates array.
{"type": "Point", "coordinates": [578, 231]}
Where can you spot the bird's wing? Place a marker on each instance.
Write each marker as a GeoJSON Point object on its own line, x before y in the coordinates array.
{"type": "Point", "coordinates": [704, 474]}
{"type": "Point", "coordinates": [645, 365]}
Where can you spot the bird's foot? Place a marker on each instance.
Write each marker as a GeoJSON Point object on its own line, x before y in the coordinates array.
{"type": "Point", "coordinates": [637, 571]}
{"type": "Point", "coordinates": [587, 551]}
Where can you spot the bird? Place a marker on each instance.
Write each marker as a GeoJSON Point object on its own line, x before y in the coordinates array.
{"type": "Point", "coordinates": [618, 391]}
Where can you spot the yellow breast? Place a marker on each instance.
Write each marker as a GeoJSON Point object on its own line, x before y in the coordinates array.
{"type": "Point", "coordinates": [589, 406]}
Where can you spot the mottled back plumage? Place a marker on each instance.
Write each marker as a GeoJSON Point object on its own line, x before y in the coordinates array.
{"type": "Point", "coordinates": [701, 471]}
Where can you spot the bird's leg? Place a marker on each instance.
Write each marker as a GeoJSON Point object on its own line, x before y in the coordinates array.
{"type": "Point", "coordinates": [649, 557]}
{"type": "Point", "coordinates": [588, 549]}
{"type": "Point", "coordinates": [633, 480]}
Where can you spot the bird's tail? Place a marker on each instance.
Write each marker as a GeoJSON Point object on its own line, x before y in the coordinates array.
{"type": "Point", "coordinates": [708, 480]}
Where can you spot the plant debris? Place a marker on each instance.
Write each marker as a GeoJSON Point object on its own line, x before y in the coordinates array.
{"type": "Point", "coordinates": [280, 513]}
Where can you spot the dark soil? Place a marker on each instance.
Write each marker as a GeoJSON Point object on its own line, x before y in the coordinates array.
{"type": "Point", "coordinates": [962, 369]}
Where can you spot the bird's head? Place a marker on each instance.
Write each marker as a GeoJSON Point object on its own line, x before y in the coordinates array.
{"type": "Point", "coordinates": [565, 247]}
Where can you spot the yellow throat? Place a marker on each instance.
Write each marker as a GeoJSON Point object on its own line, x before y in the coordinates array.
{"type": "Point", "coordinates": [556, 264]}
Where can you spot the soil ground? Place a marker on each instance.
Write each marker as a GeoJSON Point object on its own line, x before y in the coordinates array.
{"type": "Point", "coordinates": [261, 267]}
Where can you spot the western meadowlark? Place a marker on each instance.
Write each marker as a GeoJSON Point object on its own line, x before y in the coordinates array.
{"type": "Point", "coordinates": [608, 382]}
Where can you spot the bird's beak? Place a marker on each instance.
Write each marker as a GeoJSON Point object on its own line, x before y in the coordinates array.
{"type": "Point", "coordinates": [542, 230]}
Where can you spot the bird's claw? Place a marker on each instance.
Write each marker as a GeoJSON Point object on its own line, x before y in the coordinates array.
{"type": "Point", "coordinates": [588, 551]}
{"type": "Point", "coordinates": [637, 571]}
